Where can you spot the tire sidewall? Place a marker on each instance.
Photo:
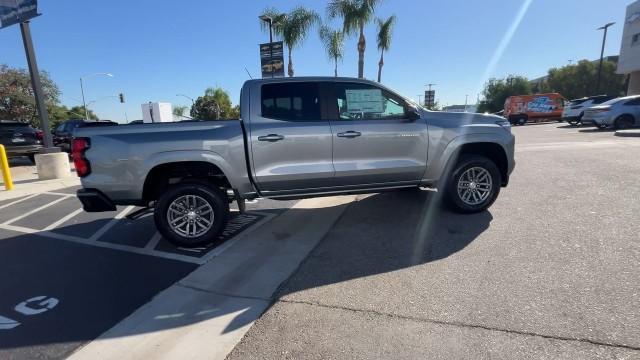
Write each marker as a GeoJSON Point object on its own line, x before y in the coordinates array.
{"type": "Point", "coordinates": [210, 194]}
{"type": "Point", "coordinates": [464, 164]}
{"type": "Point", "coordinates": [626, 122]}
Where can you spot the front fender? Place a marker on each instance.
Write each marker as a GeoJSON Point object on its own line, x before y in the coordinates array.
{"type": "Point", "coordinates": [444, 153]}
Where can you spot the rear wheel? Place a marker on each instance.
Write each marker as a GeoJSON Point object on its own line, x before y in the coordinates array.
{"type": "Point", "coordinates": [521, 120]}
{"type": "Point", "coordinates": [32, 158]}
{"type": "Point", "coordinates": [624, 122]}
{"type": "Point", "coordinates": [191, 213]}
{"type": "Point", "coordinates": [474, 184]}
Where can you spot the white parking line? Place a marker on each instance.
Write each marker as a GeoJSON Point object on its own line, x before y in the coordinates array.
{"type": "Point", "coordinates": [63, 220]}
{"type": "Point", "coordinates": [98, 234]}
{"type": "Point", "coordinates": [59, 194]}
{"type": "Point", "coordinates": [34, 211]}
{"type": "Point", "coordinates": [19, 201]}
{"type": "Point", "coordinates": [155, 239]}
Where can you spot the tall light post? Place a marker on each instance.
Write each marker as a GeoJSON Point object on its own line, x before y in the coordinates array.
{"type": "Point", "coordinates": [466, 101]}
{"type": "Point", "coordinates": [187, 97]}
{"type": "Point", "coordinates": [604, 40]}
{"type": "Point", "coordinates": [86, 112]}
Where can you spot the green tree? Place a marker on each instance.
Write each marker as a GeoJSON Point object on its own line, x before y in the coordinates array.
{"type": "Point", "coordinates": [385, 33]}
{"type": "Point", "coordinates": [579, 80]}
{"type": "Point", "coordinates": [215, 104]}
{"type": "Point", "coordinates": [496, 92]}
{"type": "Point", "coordinates": [293, 28]}
{"type": "Point", "coordinates": [333, 41]}
{"type": "Point", "coordinates": [355, 15]}
{"type": "Point", "coordinates": [17, 101]}
{"type": "Point", "coordinates": [179, 110]}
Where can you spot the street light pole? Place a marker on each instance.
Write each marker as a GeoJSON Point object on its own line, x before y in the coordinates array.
{"type": "Point", "coordinates": [604, 40]}
{"type": "Point", "coordinates": [188, 97]}
{"type": "Point", "coordinates": [84, 104]}
{"type": "Point", "coordinates": [37, 86]}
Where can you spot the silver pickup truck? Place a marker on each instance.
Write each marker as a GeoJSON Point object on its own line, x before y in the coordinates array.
{"type": "Point", "coordinates": [297, 138]}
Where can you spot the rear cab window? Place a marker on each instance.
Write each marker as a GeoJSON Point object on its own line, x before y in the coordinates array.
{"type": "Point", "coordinates": [291, 101]}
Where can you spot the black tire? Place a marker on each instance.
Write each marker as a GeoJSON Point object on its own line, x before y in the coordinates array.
{"type": "Point", "coordinates": [454, 197]}
{"type": "Point", "coordinates": [522, 120]}
{"type": "Point", "coordinates": [624, 122]}
{"type": "Point", "coordinates": [205, 192]}
{"type": "Point", "coordinates": [32, 158]}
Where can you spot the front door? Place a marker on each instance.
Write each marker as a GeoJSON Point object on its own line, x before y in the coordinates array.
{"type": "Point", "coordinates": [374, 140]}
{"type": "Point", "coordinates": [291, 144]}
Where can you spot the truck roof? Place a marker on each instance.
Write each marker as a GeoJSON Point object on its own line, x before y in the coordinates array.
{"type": "Point", "coordinates": [310, 79]}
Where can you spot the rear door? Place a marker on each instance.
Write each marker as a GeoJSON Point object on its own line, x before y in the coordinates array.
{"type": "Point", "coordinates": [291, 143]}
{"type": "Point", "coordinates": [374, 141]}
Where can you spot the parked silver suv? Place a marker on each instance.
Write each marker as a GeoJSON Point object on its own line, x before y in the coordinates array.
{"type": "Point", "coordinates": [619, 113]}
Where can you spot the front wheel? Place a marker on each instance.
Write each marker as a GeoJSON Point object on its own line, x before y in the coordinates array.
{"type": "Point", "coordinates": [474, 184]}
{"type": "Point", "coordinates": [191, 213]}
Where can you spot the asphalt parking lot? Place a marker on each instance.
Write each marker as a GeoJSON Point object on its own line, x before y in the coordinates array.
{"type": "Point", "coordinates": [550, 272]}
{"type": "Point", "coordinates": [67, 276]}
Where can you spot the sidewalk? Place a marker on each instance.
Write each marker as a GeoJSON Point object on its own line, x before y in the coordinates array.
{"type": "Point", "coordinates": [25, 182]}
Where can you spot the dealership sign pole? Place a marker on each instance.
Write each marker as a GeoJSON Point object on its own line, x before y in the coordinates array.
{"type": "Point", "coordinates": [14, 12]}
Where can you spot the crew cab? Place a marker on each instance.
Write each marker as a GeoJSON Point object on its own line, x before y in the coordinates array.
{"type": "Point", "coordinates": [297, 137]}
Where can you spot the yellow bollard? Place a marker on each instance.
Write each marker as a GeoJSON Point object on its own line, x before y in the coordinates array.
{"type": "Point", "coordinates": [4, 166]}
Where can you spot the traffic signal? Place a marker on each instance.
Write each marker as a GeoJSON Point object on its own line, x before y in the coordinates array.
{"type": "Point", "coordinates": [121, 96]}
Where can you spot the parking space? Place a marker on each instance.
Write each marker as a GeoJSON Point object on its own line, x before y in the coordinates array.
{"type": "Point", "coordinates": [66, 276]}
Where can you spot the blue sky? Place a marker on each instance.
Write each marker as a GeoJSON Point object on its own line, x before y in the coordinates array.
{"type": "Point", "coordinates": [157, 49]}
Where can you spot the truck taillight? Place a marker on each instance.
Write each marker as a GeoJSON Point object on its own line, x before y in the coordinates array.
{"type": "Point", "coordinates": [78, 148]}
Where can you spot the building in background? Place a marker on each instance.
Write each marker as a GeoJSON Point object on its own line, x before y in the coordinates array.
{"type": "Point", "coordinates": [629, 62]}
{"type": "Point", "coordinates": [157, 112]}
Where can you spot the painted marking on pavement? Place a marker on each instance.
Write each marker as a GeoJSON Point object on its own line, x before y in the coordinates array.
{"type": "Point", "coordinates": [7, 324]}
{"type": "Point", "coordinates": [44, 304]}
{"type": "Point", "coordinates": [19, 201]}
{"type": "Point", "coordinates": [34, 211]}
{"type": "Point", "coordinates": [98, 234]}
{"type": "Point", "coordinates": [155, 239]}
{"type": "Point", "coordinates": [63, 220]}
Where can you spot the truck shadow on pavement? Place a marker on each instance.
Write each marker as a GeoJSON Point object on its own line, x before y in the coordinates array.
{"type": "Point", "coordinates": [377, 234]}
{"type": "Point", "coordinates": [384, 233]}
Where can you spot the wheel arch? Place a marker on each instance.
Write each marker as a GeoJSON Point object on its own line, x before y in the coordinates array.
{"type": "Point", "coordinates": [164, 175]}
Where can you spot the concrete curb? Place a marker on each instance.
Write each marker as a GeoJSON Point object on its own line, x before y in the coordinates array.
{"type": "Point", "coordinates": [30, 187]}
{"type": "Point", "coordinates": [628, 133]}
{"type": "Point", "coordinates": [206, 314]}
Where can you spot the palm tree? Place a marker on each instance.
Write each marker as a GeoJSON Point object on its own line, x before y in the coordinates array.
{"type": "Point", "coordinates": [293, 28]}
{"type": "Point", "coordinates": [333, 41]}
{"type": "Point", "coordinates": [355, 14]}
{"type": "Point", "coordinates": [385, 32]}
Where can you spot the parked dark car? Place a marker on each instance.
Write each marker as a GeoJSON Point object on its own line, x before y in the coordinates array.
{"type": "Point", "coordinates": [20, 139]}
{"type": "Point", "coordinates": [64, 132]}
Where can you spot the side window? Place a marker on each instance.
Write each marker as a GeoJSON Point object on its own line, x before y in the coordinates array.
{"type": "Point", "coordinates": [356, 101]}
{"type": "Point", "coordinates": [634, 102]}
{"type": "Point", "coordinates": [60, 128]}
{"type": "Point", "coordinates": [291, 101]}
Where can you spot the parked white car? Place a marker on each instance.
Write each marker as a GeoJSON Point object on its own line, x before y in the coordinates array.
{"type": "Point", "coordinates": [620, 113]}
{"type": "Point", "coordinates": [574, 110]}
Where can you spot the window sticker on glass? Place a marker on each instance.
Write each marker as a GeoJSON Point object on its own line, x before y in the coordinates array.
{"type": "Point", "coordinates": [364, 101]}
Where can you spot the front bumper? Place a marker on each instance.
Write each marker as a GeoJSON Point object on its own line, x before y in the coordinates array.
{"type": "Point", "coordinates": [95, 201]}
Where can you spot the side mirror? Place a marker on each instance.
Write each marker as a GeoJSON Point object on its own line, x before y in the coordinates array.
{"type": "Point", "coordinates": [412, 113]}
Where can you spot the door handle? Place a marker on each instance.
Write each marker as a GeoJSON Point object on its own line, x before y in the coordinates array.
{"type": "Point", "coordinates": [349, 134]}
{"type": "Point", "coordinates": [271, 138]}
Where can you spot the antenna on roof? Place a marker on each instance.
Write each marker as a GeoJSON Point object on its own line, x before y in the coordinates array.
{"type": "Point", "coordinates": [248, 73]}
